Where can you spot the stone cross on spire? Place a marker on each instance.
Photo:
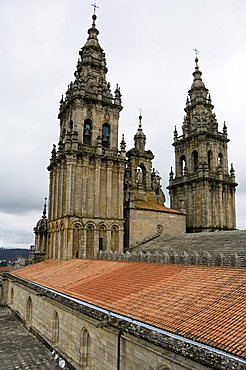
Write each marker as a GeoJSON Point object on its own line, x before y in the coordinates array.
{"type": "Point", "coordinates": [196, 51]}
{"type": "Point", "coordinates": [95, 7]}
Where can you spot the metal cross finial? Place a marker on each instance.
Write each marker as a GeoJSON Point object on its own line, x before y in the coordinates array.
{"type": "Point", "coordinates": [196, 51]}
{"type": "Point", "coordinates": [95, 7]}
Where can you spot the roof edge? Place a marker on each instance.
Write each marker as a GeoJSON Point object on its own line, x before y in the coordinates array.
{"type": "Point", "coordinates": [182, 346]}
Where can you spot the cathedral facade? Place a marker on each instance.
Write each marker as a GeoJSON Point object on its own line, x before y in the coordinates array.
{"type": "Point", "coordinates": [103, 307]}
{"type": "Point", "coordinates": [104, 198]}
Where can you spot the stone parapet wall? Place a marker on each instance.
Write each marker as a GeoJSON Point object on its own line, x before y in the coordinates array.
{"type": "Point", "coordinates": [187, 258]}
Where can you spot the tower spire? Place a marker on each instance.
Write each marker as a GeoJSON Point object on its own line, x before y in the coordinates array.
{"type": "Point", "coordinates": [140, 138]}
{"type": "Point", "coordinates": [199, 108]}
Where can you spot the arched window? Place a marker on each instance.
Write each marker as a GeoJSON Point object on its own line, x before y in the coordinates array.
{"type": "Point", "coordinates": [102, 238]}
{"type": "Point", "coordinates": [210, 159]}
{"type": "Point", "coordinates": [29, 311]}
{"type": "Point", "coordinates": [182, 163]}
{"type": "Point", "coordinates": [84, 348]}
{"type": "Point", "coordinates": [87, 134]}
{"type": "Point", "coordinates": [55, 328]}
{"type": "Point", "coordinates": [106, 135]}
{"type": "Point", "coordinates": [90, 241]}
{"type": "Point", "coordinates": [220, 160]}
{"type": "Point", "coordinates": [194, 161]}
{"type": "Point", "coordinates": [76, 240]}
{"type": "Point", "coordinates": [114, 238]}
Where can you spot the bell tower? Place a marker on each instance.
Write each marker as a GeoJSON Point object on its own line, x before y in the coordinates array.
{"type": "Point", "coordinates": [202, 186]}
{"type": "Point", "coordinates": [86, 169]}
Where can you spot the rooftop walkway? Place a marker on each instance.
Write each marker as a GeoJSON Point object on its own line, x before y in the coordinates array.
{"type": "Point", "coordinates": [226, 242]}
{"type": "Point", "coordinates": [19, 349]}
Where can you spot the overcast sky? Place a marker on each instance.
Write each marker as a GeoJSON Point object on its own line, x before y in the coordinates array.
{"type": "Point", "coordinates": [149, 50]}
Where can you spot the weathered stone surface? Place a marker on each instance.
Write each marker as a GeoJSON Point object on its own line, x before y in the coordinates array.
{"type": "Point", "coordinates": [155, 348]}
{"type": "Point", "coordinates": [202, 186]}
{"type": "Point", "coordinates": [227, 248]}
{"type": "Point", "coordinates": [19, 349]}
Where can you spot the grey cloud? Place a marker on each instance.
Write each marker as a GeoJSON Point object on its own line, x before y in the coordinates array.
{"type": "Point", "coordinates": [149, 53]}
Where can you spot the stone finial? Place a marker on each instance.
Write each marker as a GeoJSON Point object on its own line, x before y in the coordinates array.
{"type": "Point", "coordinates": [61, 103]}
{"type": "Point", "coordinates": [140, 138]}
{"type": "Point", "coordinates": [117, 95]}
{"type": "Point", "coordinates": [45, 207]}
{"type": "Point", "coordinates": [192, 258]}
{"type": "Point", "coordinates": [123, 148]}
{"type": "Point", "coordinates": [53, 152]}
{"type": "Point", "coordinates": [171, 174]}
{"type": "Point", "coordinates": [225, 129]}
{"type": "Point", "coordinates": [232, 171]}
{"type": "Point", "coordinates": [185, 258]}
{"type": "Point", "coordinates": [123, 143]}
{"type": "Point", "coordinates": [175, 133]}
{"type": "Point", "coordinates": [236, 261]}
{"type": "Point", "coordinates": [207, 258]}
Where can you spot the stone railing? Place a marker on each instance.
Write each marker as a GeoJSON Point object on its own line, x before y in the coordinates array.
{"type": "Point", "coordinates": [144, 240]}
{"type": "Point", "coordinates": [172, 257]}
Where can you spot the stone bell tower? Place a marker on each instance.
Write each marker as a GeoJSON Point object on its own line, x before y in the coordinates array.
{"type": "Point", "coordinates": [202, 187]}
{"type": "Point", "coordinates": [86, 169]}
{"type": "Point", "coordinates": [145, 213]}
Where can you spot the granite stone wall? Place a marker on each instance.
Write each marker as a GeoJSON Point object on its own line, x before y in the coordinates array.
{"type": "Point", "coordinates": [85, 342]}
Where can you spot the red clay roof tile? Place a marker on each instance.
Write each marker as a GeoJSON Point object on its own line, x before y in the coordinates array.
{"type": "Point", "coordinates": [206, 304]}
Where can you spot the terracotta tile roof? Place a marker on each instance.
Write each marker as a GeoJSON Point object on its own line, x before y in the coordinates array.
{"type": "Point", "coordinates": [206, 304]}
{"type": "Point", "coordinates": [6, 268]}
{"type": "Point", "coordinates": [152, 206]}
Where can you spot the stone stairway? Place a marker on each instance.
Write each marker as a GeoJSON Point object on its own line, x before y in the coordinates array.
{"type": "Point", "coordinates": [225, 242]}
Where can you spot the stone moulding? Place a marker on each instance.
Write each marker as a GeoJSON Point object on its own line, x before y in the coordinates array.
{"type": "Point", "coordinates": [198, 352]}
{"type": "Point", "coordinates": [186, 258]}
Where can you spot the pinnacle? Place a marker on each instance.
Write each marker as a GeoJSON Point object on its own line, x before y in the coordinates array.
{"type": "Point", "coordinates": [44, 210]}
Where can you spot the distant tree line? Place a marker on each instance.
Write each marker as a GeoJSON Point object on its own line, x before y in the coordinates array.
{"type": "Point", "coordinates": [10, 254]}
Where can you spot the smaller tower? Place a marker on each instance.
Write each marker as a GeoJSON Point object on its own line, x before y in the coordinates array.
{"type": "Point", "coordinates": [143, 193]}
{"type": "Point", "coordinates": [41, 236]}
{"type": "Point", "coordinates": [144, 181]}
{"type": "Point", "coordinates": [202, 187]}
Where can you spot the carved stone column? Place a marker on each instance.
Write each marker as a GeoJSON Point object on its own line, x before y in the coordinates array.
{"type": "Point", "coordinates": [109, 189]}
{"type": "Point", "coordinates": [84, 186]}
{"type": "Point", "coordinates": [97, 186]}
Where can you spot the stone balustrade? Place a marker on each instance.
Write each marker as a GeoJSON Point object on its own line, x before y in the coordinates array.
{"type": "Point", "coordinates": [173, 257]}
